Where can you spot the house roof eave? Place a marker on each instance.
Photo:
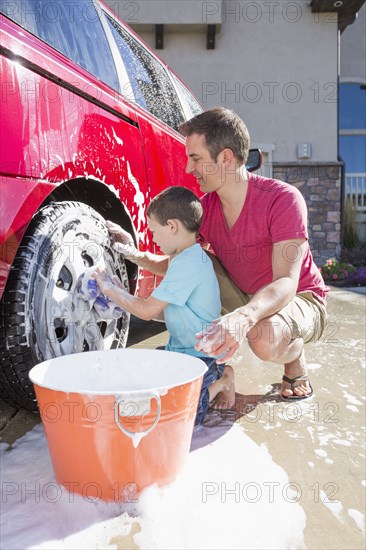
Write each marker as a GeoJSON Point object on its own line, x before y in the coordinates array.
{"type": "Point", "coordinates": [346, 9]}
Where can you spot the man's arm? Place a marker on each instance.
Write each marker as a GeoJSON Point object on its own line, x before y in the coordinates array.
{"type": "Point", "coordinates": [146, 309]}
{"type": "Point", "coordinates": [287, 259]}
{"type": "Point", "coordinates": [228, 330]}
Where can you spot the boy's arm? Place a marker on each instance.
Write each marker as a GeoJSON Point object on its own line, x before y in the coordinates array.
{"type": "Point", "coordinates": [146, 309]}
{"type": "Point", "coordinates": [124, 244]}
{"type": "Point", "coordinates": [155, 263]}
{"type": "Point", "coordinates": [159, 318]}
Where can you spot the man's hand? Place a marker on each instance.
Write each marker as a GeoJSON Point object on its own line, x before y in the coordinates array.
{"type": "Point", "coordinates": [223, 336]}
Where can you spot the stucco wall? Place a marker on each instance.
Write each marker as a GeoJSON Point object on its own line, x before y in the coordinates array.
{"type": "Point", "coordinates": [275, 64]}
{"type": "Point", "coordinates": [353, 50]}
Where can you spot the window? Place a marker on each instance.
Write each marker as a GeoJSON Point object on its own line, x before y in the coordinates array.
{"type": "Point", "coordinates": [352, 140]}
{"type": "Point", "coordinates": [150, 82]}
{"type": "Point", "coordinates": [352, 126]}
{"type": "Point", "coordinates": [73, 28]}
{"type": "Point", "coordinates": [352, 149]}
{"type": "Point", "coordinates": [193, 108]}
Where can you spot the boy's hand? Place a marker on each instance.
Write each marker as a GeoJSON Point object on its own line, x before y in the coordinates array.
{"type": "Point", "coordinates": [103, 279]}
{"type": "Point", "coordinates": [119, 234]}
{"type": "Point", "coordinates": [123, 241]}
{"type": "Point", "coordinates": [118, 282]}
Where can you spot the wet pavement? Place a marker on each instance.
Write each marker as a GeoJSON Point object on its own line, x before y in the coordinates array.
{"type": "Point", "coordinates": [319, 443]}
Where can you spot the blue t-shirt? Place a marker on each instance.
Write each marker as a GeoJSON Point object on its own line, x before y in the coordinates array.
{"type": "Point", "coordinates": [191, 289]}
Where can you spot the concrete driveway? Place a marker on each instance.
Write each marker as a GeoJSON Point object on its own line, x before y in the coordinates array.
{"type": "Point", "coordinates": [317, 445]}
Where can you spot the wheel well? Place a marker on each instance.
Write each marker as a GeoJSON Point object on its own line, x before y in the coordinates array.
{"type": "Point", "coordinates": [97, 195]}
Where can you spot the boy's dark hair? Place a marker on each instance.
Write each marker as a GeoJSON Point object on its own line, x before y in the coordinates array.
{"type": "Point", "coordinates": [222, 128]}
{"type": "Point", "coordinates": [177, 203]}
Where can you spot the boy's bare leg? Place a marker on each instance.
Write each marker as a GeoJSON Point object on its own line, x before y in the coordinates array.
{"type": "Point", "coordinates": [222, 391]}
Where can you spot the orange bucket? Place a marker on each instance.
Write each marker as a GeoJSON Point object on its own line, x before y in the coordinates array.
{"type": "Point", "coordinates": [118, 420]}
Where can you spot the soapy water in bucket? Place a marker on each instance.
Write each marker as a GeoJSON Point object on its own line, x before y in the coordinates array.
{"type": "Point", "coordinates": [146, 403]}
{"type": "Point", "coordinates": [115, 371]}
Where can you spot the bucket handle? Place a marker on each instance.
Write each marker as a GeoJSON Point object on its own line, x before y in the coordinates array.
{"type": "Point", "coordinates": [137, 436]}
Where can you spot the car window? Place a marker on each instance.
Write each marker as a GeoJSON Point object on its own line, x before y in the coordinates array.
{"type": "Point", "coordinates": [150, 83]}
{"type": "Point", "coordinates": [193, 108]}
{"type": "Point", "coordinates": [73, 28]}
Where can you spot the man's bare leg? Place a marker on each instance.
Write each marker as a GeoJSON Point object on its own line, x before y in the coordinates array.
{"type": "Point", "coordinates": [294, 369]}
{"type": "Point", "coordinates": [274, 345]}
{"type": "Point", "coordinates": [222, 391]}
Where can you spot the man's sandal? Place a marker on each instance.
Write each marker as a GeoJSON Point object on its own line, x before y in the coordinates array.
{"type": "Point", "coordinates": [291, 381]}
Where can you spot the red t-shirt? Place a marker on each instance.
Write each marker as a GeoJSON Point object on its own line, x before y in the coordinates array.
{"type": "Point", "coordinates": [273, 211]}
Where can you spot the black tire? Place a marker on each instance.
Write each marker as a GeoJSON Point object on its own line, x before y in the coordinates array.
{"type": "Point", "coordinates": [41, 313]}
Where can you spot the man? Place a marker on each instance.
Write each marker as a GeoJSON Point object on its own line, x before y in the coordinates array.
{"type": "Point", "coordinates": [271, 291]}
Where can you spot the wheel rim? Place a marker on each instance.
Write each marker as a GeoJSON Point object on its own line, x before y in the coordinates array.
{"type": "Point", "coordinates": [72, 325]}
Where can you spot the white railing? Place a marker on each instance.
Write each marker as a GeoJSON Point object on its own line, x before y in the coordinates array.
{"type": "Point", "coordinates": [356, 190]}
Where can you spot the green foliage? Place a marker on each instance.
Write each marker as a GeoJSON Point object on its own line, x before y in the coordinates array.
{"type": "Point", "coordinates": [355, 256]}
{"type": "Point", "coordinates": [350, 232]}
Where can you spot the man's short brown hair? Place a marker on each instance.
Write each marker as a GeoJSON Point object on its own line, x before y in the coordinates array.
{"type": "Point", "coordinates": [222, 128]}
{"type": "Point", "coordinates": [177, 203]}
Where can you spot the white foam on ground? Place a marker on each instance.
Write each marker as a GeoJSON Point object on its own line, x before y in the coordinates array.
{"type": "Point", "coordinates": [324, 439]}
{"type": "Point", "coordinates": [196, 511]}
{"type": "Point", "coordinates": [351, 399]}
{"type": "Point", "coordinates": [237, 485]}
{"type": "Point", "coordinates": [342, 442]}
{"type": "Point", "coordinates": [352, 408]}
{"type": "Point", "coordinates": [310, 429]}
{"type": "Point", "coordinates": [358, 518]}
{"type": "Point", "coordinates": [335, 506]}
{"type": "Point", "coordinates": [314, 366]}
{"type": "Point", "coordinates": [320, 452]}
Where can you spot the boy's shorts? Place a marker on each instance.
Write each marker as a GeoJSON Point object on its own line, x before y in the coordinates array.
{"type": "Point", "coordinates": [213, 373]}
{"type": "Point", "coordinates": [304, 316]}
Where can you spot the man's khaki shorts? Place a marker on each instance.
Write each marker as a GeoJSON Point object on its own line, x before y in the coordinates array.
{"type": "Point", "coordinates": [304, 315]}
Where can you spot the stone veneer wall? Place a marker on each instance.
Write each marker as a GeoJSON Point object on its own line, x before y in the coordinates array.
{"type": "Point", "coordinates": [320, 185]}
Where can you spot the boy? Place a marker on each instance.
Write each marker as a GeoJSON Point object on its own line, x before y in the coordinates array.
{"type": "Point", "coordinates": [189, 293]}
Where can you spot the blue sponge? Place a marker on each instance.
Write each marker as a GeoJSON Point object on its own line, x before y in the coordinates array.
{"type": "Point", "coordinates": [90, 292]}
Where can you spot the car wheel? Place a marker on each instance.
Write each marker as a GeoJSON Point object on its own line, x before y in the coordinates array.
{"type": "Point", "coordinates": [42, 314]}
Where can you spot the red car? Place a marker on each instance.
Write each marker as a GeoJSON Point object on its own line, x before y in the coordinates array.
{"type": "Point", "coordinates": [89, 124]}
